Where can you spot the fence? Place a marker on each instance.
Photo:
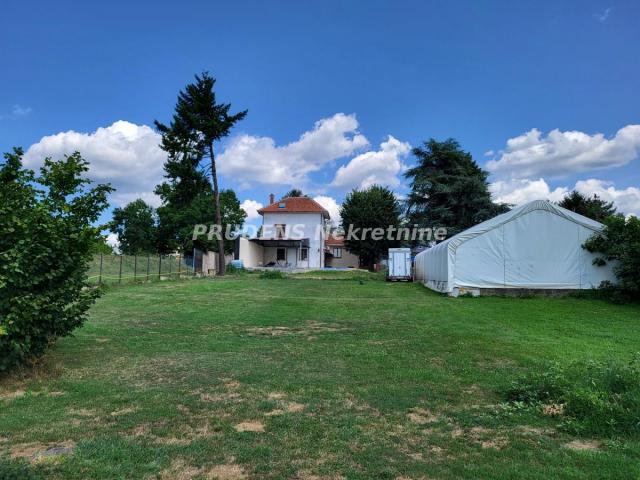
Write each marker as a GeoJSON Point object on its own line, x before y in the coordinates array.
{"type": "Point", "coordinates": [143, 268]}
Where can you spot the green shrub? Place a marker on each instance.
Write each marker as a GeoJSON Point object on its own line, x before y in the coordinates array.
{"type": "Point", "coordinates": [233, 270]}
{"type": "Point", "coordinates": [46, 244]}
{"type": "Point", "coordinates": [272, 274]}
{"type": "Point", "coordinates": [619, 242]}
{"type": "Point", "coordinates": [597, 398]}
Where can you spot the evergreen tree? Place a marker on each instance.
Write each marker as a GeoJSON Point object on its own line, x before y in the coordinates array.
{"type": "Point", "coordinates": [135, 225]}
{"type": "Point", "coordinates": [448, 188]}
{"type": "Point", "coordinates": [593, 207]}
{"type": "Point", "coordinates": [198, 122]}
{"type": "Point", "coordinates": [294, 192]}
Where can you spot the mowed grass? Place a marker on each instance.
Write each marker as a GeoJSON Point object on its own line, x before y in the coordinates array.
{"type": "Point", "coordinates": [311, 378]}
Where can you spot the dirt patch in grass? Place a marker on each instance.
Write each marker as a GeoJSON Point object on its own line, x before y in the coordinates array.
{"type": "Point", "coordinates": [420, 416]}
{"type": "Point", "coordinates": [124, 411]}
{"type": "Point", "coordinates": [249, 426]}
{"type": "Point", "coordinates": [584, 445]}
{"type": "Point", "coordinates": [226, 472]}
{"type": "Point", "coordinates": [553, 410]}
{"type": "Point", "coordinates": [35, 451]}
{"type": "Point", "coordinates": [288, 407]}
{"type": "Point", "coordinates": [276, 396]}
{"type": "Point", "coordinates": [308, 475]}
{"type": "Point", "coordinates": [180, 470]}
{"type": "Point", "coordinates": [220, 397]}
{"type": "Point", "coordinates": [11, 395]}
{"type": "Point", "coordinates": [311, 329]}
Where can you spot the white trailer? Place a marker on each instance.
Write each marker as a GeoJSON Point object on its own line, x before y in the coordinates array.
{"type": "Point", "coordinates": [399, 264]}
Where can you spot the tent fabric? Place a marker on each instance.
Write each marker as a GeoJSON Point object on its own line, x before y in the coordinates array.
{"type": "Point", "coordinates": [536, 245]}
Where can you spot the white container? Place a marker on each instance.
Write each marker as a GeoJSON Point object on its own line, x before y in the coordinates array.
{"type": "Point", "coordinates": [399, 264]}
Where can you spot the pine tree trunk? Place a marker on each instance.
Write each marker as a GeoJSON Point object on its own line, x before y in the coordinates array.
{"type": "Point", "coordinates": [216, 195]}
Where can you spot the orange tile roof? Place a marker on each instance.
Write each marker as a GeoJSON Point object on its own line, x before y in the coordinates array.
{"type": "Point", "coordinates": [295, 205]}
{"type": "Point", "coordinates": [334, 241]}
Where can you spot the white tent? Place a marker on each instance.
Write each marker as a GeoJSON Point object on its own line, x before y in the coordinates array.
{"type": "Point", "coordinates": [535, 246]}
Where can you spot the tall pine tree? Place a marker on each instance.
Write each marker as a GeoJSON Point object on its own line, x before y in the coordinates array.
{"type": "Point", "coordinates": [448, 188]}
{"type": "Point", "coordinates": [198, 122]}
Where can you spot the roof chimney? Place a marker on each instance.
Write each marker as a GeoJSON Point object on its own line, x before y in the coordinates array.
{"type": "Point", "coordinates": [272, 198]}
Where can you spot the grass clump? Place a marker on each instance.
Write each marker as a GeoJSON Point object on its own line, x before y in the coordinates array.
{"type": "Point", "coordinates": [591, 397]}
{"type": "Point", "coordinates": [17, 470]}
{"type": "Point", "coordinates": [272, 274]}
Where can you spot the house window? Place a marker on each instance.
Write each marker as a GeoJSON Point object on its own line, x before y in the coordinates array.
{"type": "Point", "coordinates": [337, 252]}
{"type": "Point", "coordinates": [281, 228]}
{"type": "Point", "coordinates": [304, 254]}
{"type": "Point", "coordinates": [281, 254]}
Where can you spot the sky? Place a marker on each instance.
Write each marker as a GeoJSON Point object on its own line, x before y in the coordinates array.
{"type": "Point", "coordinates": [544, 95]}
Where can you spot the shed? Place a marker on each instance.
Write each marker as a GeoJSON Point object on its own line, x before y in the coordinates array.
{"type": "Point", "coordinates": [535, 246]}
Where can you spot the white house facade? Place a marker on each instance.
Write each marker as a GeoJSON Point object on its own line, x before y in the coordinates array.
{"type": "Point", "coordinates": [292, 236]}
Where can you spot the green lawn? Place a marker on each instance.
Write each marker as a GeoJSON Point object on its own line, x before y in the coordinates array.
{"type": "Point", "coordinates": [311, 377]}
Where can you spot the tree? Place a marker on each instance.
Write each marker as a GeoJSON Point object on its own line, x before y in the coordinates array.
{"type": "Point", "coordinates": [199, 122]}
{"type": "Point", "coordinates": [135, 225]}
{"type": "Point", "coordinates": [448, 188]}
{"type": "Point", "coordinates": [373, 208]}
{"type": "Point", "coordinates": [619, 242]}
{"type": "Point", "coordinates": [46, 242]}
{"type": "Point", "coordinates": [187, 197]}
{"type": "Point", "coordinates": [593, 207]}
{"type": "Point", "coordinates": [294, 192]}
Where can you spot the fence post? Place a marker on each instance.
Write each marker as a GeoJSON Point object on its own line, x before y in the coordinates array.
{"type": "Point", "coordinates": [179, 266]}
{"type": "Point", "coordinates": [120, 272]}
{"type": "Point", "coordinates": [100, 275]}
{"type": "Point", "coordinates": [159, 266]}
{"type": "Point", "coordinates": [193, 263]}
{"type": "Point", "coordinates": [169, 267]}
{"type": "Point", "coordinates": [148, 265]}
{"type": "Point", "coordinates": [135, 267]}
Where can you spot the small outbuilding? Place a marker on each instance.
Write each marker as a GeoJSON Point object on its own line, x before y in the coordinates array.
{"type": "Point", "coordinates": [535, 246]}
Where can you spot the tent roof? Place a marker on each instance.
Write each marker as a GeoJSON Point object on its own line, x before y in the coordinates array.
{"type": "Point", "coordinates": [454, 242]}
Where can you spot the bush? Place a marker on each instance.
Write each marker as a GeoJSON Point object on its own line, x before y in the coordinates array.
{"type": "Point", "coordinates": [598, 398]}
{"type": "Point", "coordinates": [272, 274]}
{"type": "Point", "coordinates": [233, 270]}
{"type": "Point", "coordinates": [46, 242]}
{"type": "Point", "coordinates": [619, 242]}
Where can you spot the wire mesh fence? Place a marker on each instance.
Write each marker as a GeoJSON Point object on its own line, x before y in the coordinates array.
{"type": "Point", "coordinates": [111, 269]}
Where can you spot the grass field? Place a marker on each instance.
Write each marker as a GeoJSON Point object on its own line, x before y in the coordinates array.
{"type": "Point", "coordinates": [310, 377]}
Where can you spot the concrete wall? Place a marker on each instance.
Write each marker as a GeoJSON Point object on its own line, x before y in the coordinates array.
{"type": "Point", "coordinates": [348, 259]}
{"type": "Point", "coordinates": [210, 262]}
{"type": "Point", "coordinates": [251, 254]}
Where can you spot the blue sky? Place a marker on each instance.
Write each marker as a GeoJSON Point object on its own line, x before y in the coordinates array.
{"type": "Point", "coordinates": [560, 79]}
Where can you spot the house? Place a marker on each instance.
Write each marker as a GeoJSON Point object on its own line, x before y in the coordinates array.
{"type": "Point", "coordinates": [535, 246]}
{"type": "Point", "coordinates": [336, 255]}
{"type": "Point", "coordinates": [293, 235]}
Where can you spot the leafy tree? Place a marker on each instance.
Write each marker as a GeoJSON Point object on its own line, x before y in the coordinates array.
{"type": "Point", "coordinates": [619, 242]}
{"type": "Point", "coordinates": [294, 192]}
{"type": "Point", "coordinates": [46, 243]}
{"type": "Point", "coordinates": [135, 225]}
{"type": "Point", "coordinates": [101, 246]}
{"type": "Point", "coordinates": [593, 207]}
{"type": "Point", "coordinates": [448, 188]}
{"type": "Point", "coordinates": [198, 122]}
{"type": "Point", "coordinates": [373, 208]}
{"type": "Point", "coordinates": [186, 201]}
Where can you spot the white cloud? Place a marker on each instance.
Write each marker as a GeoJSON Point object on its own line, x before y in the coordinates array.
{"type": "Point", "coordinates": [376, 167]}
{"type": "Point", "coordinates": [517, 192]}
{"type": "Point", "coordinates": [251, 207]}
{"type": "Point", "coordinates": [626, 200]}
{"type": "Point", "coordinates": [19, 111]}
{"type": "Point", "coordinates": [258, 160]}
{"type": "Point", "coordinates": [124, 154]}
{"type": "Point", "coordinates": [112, 241]}
{"type": "Point", "coordinates": [602, 17]}
{"type": "Point", "coordinates": [563, 153]}
{"type": "Point", "coordinates": [330, 204]}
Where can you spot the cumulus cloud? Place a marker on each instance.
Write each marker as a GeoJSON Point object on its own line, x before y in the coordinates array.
{"type": "Point", "coordinates": [251, 208]}
{"type": "Point", "coordinates": [563, 153]}
{"type": "Point", "coordinates": [124, 154]}
{"type": "Point", "coordinates": [517, 192]}
{"type": "Point", "coordinates": [330, 204]}
{"type": "Point", "coordinates": [375, 167]}
{"type": "Point", "coordinates": [626, 200]}
{"type": "Point", "coordinates": [258, 160]}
